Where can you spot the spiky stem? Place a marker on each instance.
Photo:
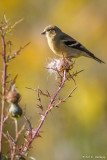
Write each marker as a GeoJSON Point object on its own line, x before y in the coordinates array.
{"type": "Point", "coordinates": [3, 89]}
{"type": "Point", "coordinates": [45, 115]}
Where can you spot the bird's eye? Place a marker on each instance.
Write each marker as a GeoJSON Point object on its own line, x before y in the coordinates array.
{"type": "Point", "coordinates": [48, 30]}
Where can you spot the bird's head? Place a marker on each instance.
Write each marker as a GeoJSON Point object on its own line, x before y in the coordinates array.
{"type": "Point", "coordinates": [51, 31]}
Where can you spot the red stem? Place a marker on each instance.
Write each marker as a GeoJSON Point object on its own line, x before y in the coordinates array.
{"type": "Point", "coordinates": [3, 90]}
{"type": "Point", "coordinates": [45, 115]}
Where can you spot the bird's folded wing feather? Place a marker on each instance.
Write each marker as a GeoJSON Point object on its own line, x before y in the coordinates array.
{"type": "Point", "coordinates": [70, 42]}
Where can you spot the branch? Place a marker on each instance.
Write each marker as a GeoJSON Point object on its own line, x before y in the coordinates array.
{"type": "Point", "coordinates": [9, 58]}
{"type": "Point", "coordinates": [35, 135]}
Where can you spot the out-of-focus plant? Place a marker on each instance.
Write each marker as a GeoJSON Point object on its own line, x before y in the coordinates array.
{"type": "Point", "coordinates": [61, 67]}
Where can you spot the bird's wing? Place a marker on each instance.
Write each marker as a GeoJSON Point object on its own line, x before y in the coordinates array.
{"type": "Point", "coordinates": [70, 42]}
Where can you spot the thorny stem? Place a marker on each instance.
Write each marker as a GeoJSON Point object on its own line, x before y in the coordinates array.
{"type": "Point", "coordinates": [3, 90]}
{"type": "Point", "coordinates": [16, 129]}
{"type": "Point", "coordinates": [16, 132]}
{"type": "Point", "coordinates": [45, 115]}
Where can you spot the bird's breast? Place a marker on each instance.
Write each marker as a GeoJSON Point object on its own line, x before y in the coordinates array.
{"type": "Point", "coordinates": [53, 46]}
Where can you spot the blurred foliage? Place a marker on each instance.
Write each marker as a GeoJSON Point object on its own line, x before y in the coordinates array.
{"type": "Point", "coordinates": [78, 127]}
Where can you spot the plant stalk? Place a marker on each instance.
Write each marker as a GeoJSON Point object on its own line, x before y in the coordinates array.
{"type": "Point", "coordinates": [45, 114]}
{"type": "Point", "coordinates": [3, 90]}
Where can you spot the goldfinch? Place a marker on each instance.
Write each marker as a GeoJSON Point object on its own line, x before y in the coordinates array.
{"type": "Point", "coordinates": [64, 45]}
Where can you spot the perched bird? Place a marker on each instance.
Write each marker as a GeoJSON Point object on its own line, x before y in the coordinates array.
{"type": "Point", "coordinates": [64, 45]}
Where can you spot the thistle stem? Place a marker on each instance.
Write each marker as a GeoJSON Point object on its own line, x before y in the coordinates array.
{"type": "Point", "coordinates": [3, 90]}
{"type": "Point", "coordinates": [45, 114]}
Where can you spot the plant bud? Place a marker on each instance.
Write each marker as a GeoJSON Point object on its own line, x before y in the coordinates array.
{"type": "Point", "coordinates": [15, 110]}
{"type": "Point", "coordinates": [13, 95]}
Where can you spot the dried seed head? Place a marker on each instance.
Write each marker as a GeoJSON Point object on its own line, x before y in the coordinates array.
{"type": "Point", "coordinates": [59, 65]}
{"type": "Point", "coordinates": [65, 64]}
{"type": "Point", "coordinates": [15, 110]}
{"type": "Point", "coordinates": [13, 95]}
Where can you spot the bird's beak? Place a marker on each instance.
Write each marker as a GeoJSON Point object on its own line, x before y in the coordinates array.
{"type": "Point", "coordinates": [43, 32]}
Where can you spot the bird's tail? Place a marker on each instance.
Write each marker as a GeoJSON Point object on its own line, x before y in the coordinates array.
{"type": "Point", "coordinates": [91, 55]}
{"type": "Point", "coordinates": [97, 59]}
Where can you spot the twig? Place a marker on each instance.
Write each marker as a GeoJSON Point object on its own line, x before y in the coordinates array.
{"type": "Point", "coordinates": [16, 129]}
{"type": "Point", "coordinates": [22, 128]}
{"type": "Point", "coordinates": [75, 74]}
{"type": "Point", "coordinates": [30, 126]}
{"type": "Point", "coordinates": [16, 137]}
{"type": "Point", "coordinates": [5, 118]}
{"type": "Point", "coordinates": [39, 99]}
{"type": "Point", "coordinates": [20, 20]}
{"type": "Point", "coordinates": [10, 144]}
{"type": "Point", "coordinates": [63, 100]}
{"type": "Point", "coordinates": [31, 89]}
{"type": "Point", "coordinates": [9, 58]}
{"type": "Point", "coordinates": [69, 94]}
{"type": "Point", "coordinates": [40, 91]}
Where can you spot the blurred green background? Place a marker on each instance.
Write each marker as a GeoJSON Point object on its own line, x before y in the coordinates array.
{"type": "Point", "coordinates": [79, 126]}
